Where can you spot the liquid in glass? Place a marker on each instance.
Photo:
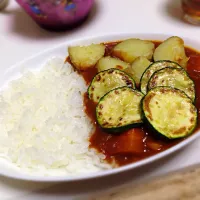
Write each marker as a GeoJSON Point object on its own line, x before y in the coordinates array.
{"type": "Point", "coordinates": [191, 9]}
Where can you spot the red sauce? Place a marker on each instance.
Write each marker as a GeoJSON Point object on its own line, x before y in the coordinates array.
{"type": "Point", "coordinates": [142, 141]}
{"type": "Point", "coordinates": [109, 47]}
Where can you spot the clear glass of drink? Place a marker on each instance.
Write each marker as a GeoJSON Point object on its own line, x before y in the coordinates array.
{"type": "Point", "coordinates": [3, 4]}
{"type": "Point", "coordinates": [191, 9]}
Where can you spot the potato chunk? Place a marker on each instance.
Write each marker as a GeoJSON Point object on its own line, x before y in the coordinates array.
{"type": "Point", "coordinates": [85, 57]}
{"type": "Point", "coordinates": [172, 49]}
{"type": "Point", "coordinates": [130, 49]}
{"type": "Point", "coordinates": [109, 62]}
{"type": "Point", "coordinates": [137, 68]}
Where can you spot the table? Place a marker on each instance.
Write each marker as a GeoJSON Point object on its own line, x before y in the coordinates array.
{"type": "Point", "coordinates": [20, 38]}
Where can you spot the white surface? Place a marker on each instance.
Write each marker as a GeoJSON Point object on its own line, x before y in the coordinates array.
{"type": "Point", "coordinates": [20, 37]}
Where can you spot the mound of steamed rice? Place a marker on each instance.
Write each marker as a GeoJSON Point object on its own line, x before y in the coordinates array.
{"type": "Point", "coordinates": [43, 125]}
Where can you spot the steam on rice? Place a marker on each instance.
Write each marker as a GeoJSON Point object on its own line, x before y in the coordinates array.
{"type": "Point", "coordinates": [43, 124]}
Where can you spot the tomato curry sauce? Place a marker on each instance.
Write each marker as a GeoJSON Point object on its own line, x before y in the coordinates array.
{"type": "Point", "coordinates": [137, 143]}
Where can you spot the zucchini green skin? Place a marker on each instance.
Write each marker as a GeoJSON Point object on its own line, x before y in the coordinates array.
{"type": "Point", "coordinates": [170, 112]}
{"type": "Point", "coordinates": [173, 77]}
{"type": "Point", "coordinates": [153, 68]}
{"type": "Point", "coordinates": [108, 80]}
{"type": "Point", "coordinates": [120, 109]}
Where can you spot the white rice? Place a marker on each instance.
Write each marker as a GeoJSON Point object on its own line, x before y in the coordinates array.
{"type": "Point", "coordinates": [43, 125]}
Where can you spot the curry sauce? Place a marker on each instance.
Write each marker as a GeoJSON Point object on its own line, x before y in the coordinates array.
{"type": "Point", "coordinates": [146, 143]}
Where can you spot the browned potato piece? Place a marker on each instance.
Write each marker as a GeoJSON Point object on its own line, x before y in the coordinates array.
{"type": "Point", "coordinates": [172, 49]}
{"type": "Point", "coordinates": [85, 57]}
{"type": "Point", "coordinates": [130, 49]}
{"type": "Point", "coordinates": [137, 68]}
{"type": "Point", "coordinates": [109, 62]}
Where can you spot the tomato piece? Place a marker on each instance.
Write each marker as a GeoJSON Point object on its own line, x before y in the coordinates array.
{"type": "Point", "coordinates": [129, 142]}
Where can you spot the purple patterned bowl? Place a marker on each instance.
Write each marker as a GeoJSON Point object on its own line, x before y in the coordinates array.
{"type": "Point", "coordinates": [57, 15]}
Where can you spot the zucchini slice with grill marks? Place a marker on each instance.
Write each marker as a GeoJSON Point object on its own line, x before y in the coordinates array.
{"type": "Point", "coordinates": [173, 77]}
{"type": "Point", "coordinates": [108, 80]}
{"type": "Point", "coordinates": [120, 109]}
{"type": "Point", "coordinates": [170, 112]}
{"type": "Point", "coordinates": [151, 69]}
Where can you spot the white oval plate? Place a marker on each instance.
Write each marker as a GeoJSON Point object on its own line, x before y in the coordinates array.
{"type": "Point", "coordinates": [36, 62]}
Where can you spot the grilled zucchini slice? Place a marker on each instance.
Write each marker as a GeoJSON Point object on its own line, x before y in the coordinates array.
{"type": "Point", "coordinates": [108, 62]}
{"type": "Point", "coordinates": [108, 80]}
{"type": "Point", "coordinates": [85, 57]}
{"type": "Point", "coordinates": [151, 69]}
{"type": "Point", "coordinates": [120, 109]}
{"type": "Point", "coordinates": [172, 49]}
{"type": "Point", "coordinates": [173, 77]}
{"type": "Point", "coordinates": [130, 49]}
{"type": "Point", "coordinates": [170, 112]}
{"type": "Point", "coordinates": [137, 68]}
